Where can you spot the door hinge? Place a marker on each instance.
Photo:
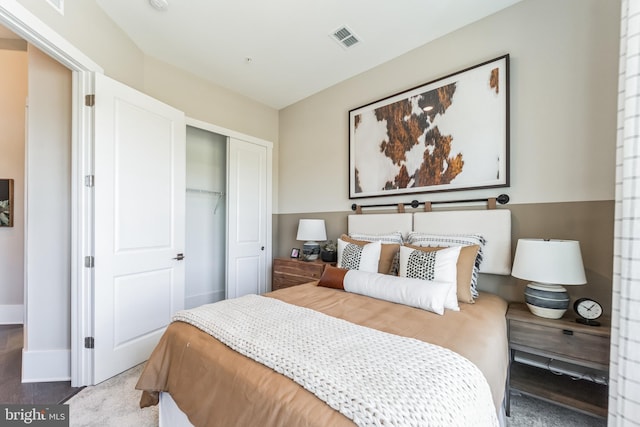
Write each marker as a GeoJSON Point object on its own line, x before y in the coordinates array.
{"type": "Point", "coordinates": [89, 342]}
{"type": "Point", "coordinates": [89, 180]}
{"type": "Point", "coordinates": [88, 261]}
{"type": "Point", "coordinates": [90, 100]}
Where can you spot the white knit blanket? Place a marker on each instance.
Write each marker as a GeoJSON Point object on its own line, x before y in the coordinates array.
{"type": "Point", "coordinates": [374, 378]}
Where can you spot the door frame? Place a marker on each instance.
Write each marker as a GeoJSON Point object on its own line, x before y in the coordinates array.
{"type": "Point", "coordinates": [22, 22]}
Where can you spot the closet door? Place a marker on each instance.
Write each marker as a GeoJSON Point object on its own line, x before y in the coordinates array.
{"type": "Point", "coordinates": [247, 217]}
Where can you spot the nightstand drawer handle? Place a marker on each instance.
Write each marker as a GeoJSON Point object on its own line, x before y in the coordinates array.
{"type": "Point", "coordinates": [567, 332]}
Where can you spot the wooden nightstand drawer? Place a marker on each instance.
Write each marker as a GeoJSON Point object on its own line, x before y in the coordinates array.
{"type": "Point", "coordinates": [292, 272]}
{"type": "Point", "coordinates": [564, 341]}
{"type": "Point", "coordinates": [299, 268]}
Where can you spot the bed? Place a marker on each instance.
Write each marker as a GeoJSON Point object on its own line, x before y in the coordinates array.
{"type": "Point", "coordinates": [200, 381]}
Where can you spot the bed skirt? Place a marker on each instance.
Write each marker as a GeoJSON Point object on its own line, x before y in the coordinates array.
{"type": "Point", "coordinates": [170, 414]}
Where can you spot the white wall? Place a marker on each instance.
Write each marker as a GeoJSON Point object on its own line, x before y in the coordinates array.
{"type": "Point", "coordinates": [205, 239]}
{"type": "Point", "coordinates": [13, 90]}
{"type": "Point", "coordinates": [563, 107]}
{"type": "Point", "coordinates": [47, 344]}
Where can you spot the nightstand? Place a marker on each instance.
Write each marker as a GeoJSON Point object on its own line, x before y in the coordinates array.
{"type": "Point", "coordinates": [291, 272]}
{"type": "Point", "coordinates": [558, 360]}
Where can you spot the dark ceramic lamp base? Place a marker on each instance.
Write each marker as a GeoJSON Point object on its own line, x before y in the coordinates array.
{"type": "Point", "coordinates": [310, 251]}
{"type": "Point", "coordinates": [549, 301]}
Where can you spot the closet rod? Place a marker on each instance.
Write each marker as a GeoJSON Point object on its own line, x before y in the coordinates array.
{"type": "Point", "coordinates": [502, 199]}
{"type": "Point", "coordinates": [197, 190]}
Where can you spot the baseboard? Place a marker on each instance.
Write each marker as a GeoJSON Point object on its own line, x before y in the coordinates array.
{"type": "Point", "coordinates": [45, 366]}
{"type": "Point", "coordinates": [11, 314]}
{"type": "Point", "coordinates": [192, 301]}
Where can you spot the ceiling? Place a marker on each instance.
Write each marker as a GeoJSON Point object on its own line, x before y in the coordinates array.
{"type": "Point", "coordinates": [278, 52]}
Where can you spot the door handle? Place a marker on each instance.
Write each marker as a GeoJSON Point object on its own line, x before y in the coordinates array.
{"type": "Point", "coordinates": [179, 257]}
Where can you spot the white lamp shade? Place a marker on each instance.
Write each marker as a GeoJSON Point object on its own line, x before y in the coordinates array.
{"type": "Point", "coordinates": [549, 261]}
{"type": "Point", "coordinates": [311, 230]}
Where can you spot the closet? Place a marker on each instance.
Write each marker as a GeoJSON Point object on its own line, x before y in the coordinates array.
{"type": "Point", "coordinates": [205, 239]}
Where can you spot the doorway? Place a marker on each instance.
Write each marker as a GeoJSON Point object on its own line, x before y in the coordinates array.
{"type": "Point", "coordinates": [43, 270]}
{"type": "Point", "coordinates": [206, 222]}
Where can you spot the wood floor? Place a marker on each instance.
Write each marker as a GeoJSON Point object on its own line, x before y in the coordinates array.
{"type": "Point", "coordinates": [12, 390]}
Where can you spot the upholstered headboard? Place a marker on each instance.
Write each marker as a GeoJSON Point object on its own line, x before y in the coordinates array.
{"type": "Point", "coordinates": [381, 223]}
{"type": "Point", "coordinates": [492, 224]}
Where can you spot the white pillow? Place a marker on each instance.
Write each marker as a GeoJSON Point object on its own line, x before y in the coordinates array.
{"type": "Point", "coordinates": [401, 290]}
{"type": "Point", "coordinates": [355, 257]}
{"type": "Point", "coordinates": [431, 266]}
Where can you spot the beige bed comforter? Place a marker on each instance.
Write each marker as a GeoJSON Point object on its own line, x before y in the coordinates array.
{"type": "Point", "coordinates": [215, 386]}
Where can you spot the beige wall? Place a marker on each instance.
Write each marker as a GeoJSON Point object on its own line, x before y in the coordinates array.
{"type": "Point", "coordinates": [48, 243]}
{"type": "Point", "coordinates": [88, 28]}
{"type": "Point", "coordinates": [13, 97]}
{"type": "Point", "coordinates": [563, 106]}
{"type": "Point", "coordinates": [563, 83]}
{"type": "Point", "coordinates": [207, 102]}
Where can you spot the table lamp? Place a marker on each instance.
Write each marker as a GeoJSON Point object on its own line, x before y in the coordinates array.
{"type": "Point", "coordinates": [311, 230]}
{"type": "Point", "coordinates": [548, 263]}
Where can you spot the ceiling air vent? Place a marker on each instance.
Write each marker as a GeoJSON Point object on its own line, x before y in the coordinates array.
{"type": "Point", "coordinates": [345, 37]}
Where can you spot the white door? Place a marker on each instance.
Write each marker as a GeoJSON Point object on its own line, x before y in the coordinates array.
{"type": "Point", "coordinates": [139, 224]}
{"type": "Point", "coordinates": [247, 216]}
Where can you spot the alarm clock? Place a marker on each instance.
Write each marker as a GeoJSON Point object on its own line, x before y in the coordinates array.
{"type": "Point", "coordinates": [588, 310]}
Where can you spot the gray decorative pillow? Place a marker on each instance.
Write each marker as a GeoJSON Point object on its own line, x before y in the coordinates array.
{"type": "Point", "coordinates": [393, 237]}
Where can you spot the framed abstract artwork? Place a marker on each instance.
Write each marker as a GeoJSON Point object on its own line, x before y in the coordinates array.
{"type": "Point", "coordinates": [449, 134]}
{"type": "Point", "coordinates": [6, 202]}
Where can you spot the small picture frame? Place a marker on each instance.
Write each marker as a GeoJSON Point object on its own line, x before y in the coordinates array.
{"type": "Point", "coordinates": [6, 202]}
{"type": "Point", "coordinates": [295, 253]}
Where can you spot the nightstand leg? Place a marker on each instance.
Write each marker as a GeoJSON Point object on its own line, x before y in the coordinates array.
{"type": "Point", "coordinates": [507, 408]}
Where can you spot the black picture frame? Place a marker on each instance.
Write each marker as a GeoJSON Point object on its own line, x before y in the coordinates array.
{"type": "Point", "coordinates": [295, 253]}
{"type": "Point", "coordinates": [445, 135]}
{"type": "Point", "coordinates": [6, 202]}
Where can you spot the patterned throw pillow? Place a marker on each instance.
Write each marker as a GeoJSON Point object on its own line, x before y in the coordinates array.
{"type": "Point", "coordinates": [433, 266]}
{"type": "Point", "coordinates": [421, 265]}
{"type": "Point", "coordinates": [357, 257]}
{"type": "Point", "coordinates": [442, 240]}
